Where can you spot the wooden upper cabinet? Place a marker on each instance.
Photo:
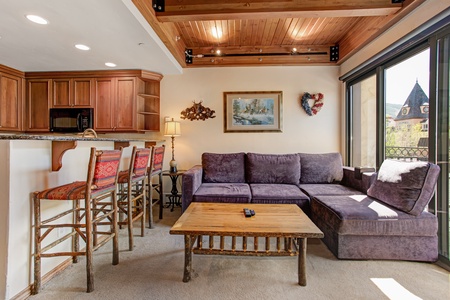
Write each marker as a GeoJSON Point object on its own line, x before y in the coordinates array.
{"type": "Point", "coordinates": [39, 92]}
{"type": "Point", "coordinates": [115, 104]}
{"type": "Point", "coordinates": [104, 104]}
{"type": "Point", "coordinates": [125, 105]}
{"type": "Point", "coordinates": [10, 102]}
{"type": "Point", "coordinates": [75, 92]}
{"type": "Point", "coordinates": [123, 100]}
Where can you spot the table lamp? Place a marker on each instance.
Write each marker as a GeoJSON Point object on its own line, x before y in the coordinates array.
{"type": "Point", "coordinates": [172, 129]}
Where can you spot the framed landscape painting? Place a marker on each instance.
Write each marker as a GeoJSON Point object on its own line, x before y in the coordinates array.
{"type": "Point", "coordinates": [252, 111]}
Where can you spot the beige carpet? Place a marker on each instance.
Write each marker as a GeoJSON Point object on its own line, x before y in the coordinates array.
{"type": "Point", "coordinates": [154, 270]}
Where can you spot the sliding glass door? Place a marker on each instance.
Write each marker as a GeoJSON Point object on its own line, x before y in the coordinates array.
{"type": "Point", "coordinates": [363, 124]}
{"type": "Point", "coordinates": [443, 142]}
{"type": "Point", "coordinates": [399, 108]}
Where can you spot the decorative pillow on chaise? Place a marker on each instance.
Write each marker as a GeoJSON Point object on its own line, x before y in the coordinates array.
{"type": "Point", "coordinates": [223, 168]}
{"type": "Point", "coordinates": [321, 168]}
{"type": "Point", "coordinates": [407, 186]}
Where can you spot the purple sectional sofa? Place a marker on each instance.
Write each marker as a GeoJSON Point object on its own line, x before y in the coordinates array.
{"type": "Point", "coordinates": [363, 215]}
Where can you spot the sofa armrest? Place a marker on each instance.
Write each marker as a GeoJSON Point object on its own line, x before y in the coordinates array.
{"type": "Point", "coordinates": [356, 180]}
{"type": "Point", "coordinates": [192, 179]}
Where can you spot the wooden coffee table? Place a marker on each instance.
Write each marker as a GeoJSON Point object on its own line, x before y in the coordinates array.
{"type": "Point", "coordinates": [275, 230]}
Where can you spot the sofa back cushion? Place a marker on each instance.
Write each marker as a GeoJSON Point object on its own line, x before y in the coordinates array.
{"type": "Point", "coordinates": [407, 186]}
{"type": "Point", "coordinates": [321, 168]}
{"type": "Point", "coordinates": [223, 168]}
{"type": "Point", "coordinates": [272, 168]}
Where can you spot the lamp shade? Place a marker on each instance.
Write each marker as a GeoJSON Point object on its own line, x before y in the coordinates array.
{"type": "Point", "coordinates": [172, 128]}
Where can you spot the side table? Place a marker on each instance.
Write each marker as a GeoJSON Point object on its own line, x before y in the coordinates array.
{"type": "Point", "coordinates": [174, 197]}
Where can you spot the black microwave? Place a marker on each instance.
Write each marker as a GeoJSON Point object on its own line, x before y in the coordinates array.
{"type": "Point", "coordinates": [70, 119]}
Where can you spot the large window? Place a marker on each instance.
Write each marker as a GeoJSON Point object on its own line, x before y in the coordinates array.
{"type": "Point", "coordinates": [398, 108]}
{"type": "Point", "coordinates": [363, 141]}
{"type": "Point", "coordinates": [407, 108]}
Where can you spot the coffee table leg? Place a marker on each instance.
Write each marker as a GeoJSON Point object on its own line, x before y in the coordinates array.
{"type": "Point", "coordinates": [302, 261]}
{"type": "Point", "coordinates": [188, 241]}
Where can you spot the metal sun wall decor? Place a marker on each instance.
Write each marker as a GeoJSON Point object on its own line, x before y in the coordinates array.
{"type": "Point", "coordinates": [197, 112]}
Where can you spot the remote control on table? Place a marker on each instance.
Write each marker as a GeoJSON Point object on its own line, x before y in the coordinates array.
{"type": "Point", "coordinates": [247, 213]}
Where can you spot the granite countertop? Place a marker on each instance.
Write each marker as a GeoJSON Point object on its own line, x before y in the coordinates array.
{"type": "Point", "coordinates": [71, 137]}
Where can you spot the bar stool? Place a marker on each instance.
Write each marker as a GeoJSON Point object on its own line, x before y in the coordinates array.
{"type": "Point", "coordinates": [132, 191]}
{"type": "Point", "coordinates": [155, 169]}
{"type": "Point", "coordinates": [98, 194]}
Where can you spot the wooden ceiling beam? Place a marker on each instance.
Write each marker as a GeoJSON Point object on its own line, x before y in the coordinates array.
{"type": "Point", "coordinates": [359, 36]}
{"type": "Point", "coordinates": [167, 32]}
{"type": "Point", "coordinates": [203, 10]}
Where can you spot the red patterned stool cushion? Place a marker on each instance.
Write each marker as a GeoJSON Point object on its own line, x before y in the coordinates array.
{"type": "Point", "coordinates": [72, 191]}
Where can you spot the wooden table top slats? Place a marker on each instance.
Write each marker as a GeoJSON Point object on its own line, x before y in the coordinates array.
{"type": "Point", "coordinates": [277, 220]}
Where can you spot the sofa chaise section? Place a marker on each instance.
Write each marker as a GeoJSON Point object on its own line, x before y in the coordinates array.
{"type": "Point", "coordinates": [390, 222]}
{"type": "Point", "coordinates": [360, 227]}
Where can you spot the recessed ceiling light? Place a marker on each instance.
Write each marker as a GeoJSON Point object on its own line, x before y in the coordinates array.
{"type": "Point", "coordinates": [110, 64]}
{"type": "Point", "coordinates": [82, 47]}
{"type": "Point", "coordinates": [37, 19]}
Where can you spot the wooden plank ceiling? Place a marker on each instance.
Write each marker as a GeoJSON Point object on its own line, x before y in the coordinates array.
{"type": "Point", "coordinates": [202, 33]}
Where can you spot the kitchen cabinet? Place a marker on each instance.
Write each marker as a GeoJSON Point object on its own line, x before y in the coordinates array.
{"type": "Point", "coordinates": [11, 101]}
{"type": "Point", "coordinates": [115, 104]}
{"type": "Point", "coordinates": [72, 92]}
{"type": "Point", "coordinates": [123, 100]}
{"type": "Point", "coordinates": [39, 92]}
{"type": "Point", "coordinates": [148, 105]}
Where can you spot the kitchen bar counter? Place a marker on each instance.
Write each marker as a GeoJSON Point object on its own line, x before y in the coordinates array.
{"type": "Point", "coordinates": [63, 142]}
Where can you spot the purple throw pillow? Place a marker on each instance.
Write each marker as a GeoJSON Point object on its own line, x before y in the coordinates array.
{"type": "Point", "coordinates": [223, 168]}
{"type": "Point", "coordinates": [321, 168]}
{"type": "Point", "coordinates": [407, 186]}
{"type": "Point", "coordinates": [272, 168]}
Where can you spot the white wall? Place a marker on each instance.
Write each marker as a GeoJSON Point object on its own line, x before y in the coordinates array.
{"type": "Point", "coordinates": [301, 133]}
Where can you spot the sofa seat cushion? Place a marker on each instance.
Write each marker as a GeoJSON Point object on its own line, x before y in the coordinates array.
{"type": "Point", "coordinates": [363, 215]}
{"type": "Point", "coordinates": [328, 189]}
{"type": "Point", "coordinates": [407, 186]}
{"type": "Point", "coordinates": [223, 192]}
{"type": "Point", "coordinates": [272, 168]}
{"type": "Point", "coordinates": [280, 192]}
{"type": "Point", "coordinates": [223, 168]}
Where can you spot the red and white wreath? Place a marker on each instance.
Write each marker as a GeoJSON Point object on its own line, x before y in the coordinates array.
{"type": "Point", "coordinates": [318, 103]}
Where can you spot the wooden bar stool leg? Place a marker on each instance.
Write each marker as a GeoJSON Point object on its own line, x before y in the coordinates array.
{"type": "Point", "coordinates": [115, 229]}
{"type": "Point", "coordinates": [130, 217]}
{"type": "Point", "coordinates": [75, 237]}
{"type": "Point", "coordinates": [89, 245]}
{"type": "Point", "coordinates": [150, 204]}
{"type": "Point", "coordinates": [161, 196]}
{"type": "Point", "coordinates": [37, 245]}
{"type": "Point", "coordinates": [143, 208]}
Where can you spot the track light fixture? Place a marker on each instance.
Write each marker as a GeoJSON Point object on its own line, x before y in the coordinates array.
{"type": "Point", "coordinates": [334, 54]}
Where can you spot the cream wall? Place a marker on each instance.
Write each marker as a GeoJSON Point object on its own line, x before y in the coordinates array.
{"type": "Point", "coordinates": [301, 133]}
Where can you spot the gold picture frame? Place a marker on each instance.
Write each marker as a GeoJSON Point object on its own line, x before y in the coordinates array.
{"type": "Point", "coordinates": [253, 111]}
